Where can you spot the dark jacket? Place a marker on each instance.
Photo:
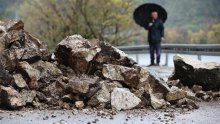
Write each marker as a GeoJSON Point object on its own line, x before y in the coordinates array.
{"type": "Point", "coordinates": [156, 31]}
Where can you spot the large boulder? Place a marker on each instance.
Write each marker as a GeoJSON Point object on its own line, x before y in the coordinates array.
{"type": "Point", "coordinates": [190, 72]}
{"type": "Point", "coordinates": [76, 52]}
{"type": "Point", "coordinates": [9, 97]}
{"type": "Point", "coordinates": [123, 99]}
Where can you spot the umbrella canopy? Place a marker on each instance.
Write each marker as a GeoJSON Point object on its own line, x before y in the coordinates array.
{"type": "Point", "coordinates": [142, 14]}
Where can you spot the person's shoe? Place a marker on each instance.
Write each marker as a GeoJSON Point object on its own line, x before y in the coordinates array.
{"type": "Point", "coordinates": [151, 65]}
{"type": "Point", "coordinates": [157, 64]}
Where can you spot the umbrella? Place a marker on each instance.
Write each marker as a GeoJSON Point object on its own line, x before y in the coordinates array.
{"type": "Point", "coordinates": [142, 14]}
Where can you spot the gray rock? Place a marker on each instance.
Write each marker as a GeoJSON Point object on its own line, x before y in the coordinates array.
{"type": "Point", "coordinates": [196, 88]}
{"type": "Point", "coordinates": [192, 72]}
{"type": "Point", "coordinates": [11, 98]}
{"type": "Point", "coordinates": [79, 104]}
{"type": "Point", "coordinates": [175, 94]}
{"type": "Point", "coordinates": [19, 81]}
{"type": "Point", "coordinates": [128, 76]}
{"type": "Point", "coordinates": [103, 96]}
{"type": "Point", "coordinates": [28, 96]}
{"type": "Point", "coordinates": [33, 74]}
{"type": "Point", "coordinates": [48, 71]}
{"type": "Point", "coordinates": [157, 103]}
{"type": "Point", "coordinates": [76, 52]}
{"type": "Point", "coordinates": [123, 99]}
{"type": "Point", "coordinates": [81, 85]}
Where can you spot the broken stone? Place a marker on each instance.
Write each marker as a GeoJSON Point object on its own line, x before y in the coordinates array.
{"type": "Point", "coordinates": [200, 94]}
{"type": "Point", "coordinates": [123, 99]}
{"type": "Point", "coordinates": [11, 98]}
{"type": "Point", "coordinates": [14, 25]}
{"type": "Point", "coordinates": [79, 104]}
{"type": "Point", "coordinates": [175, 94]}
{"type": "Point", "coordinates": [28, 96]}
{"type": "Point", "coordinates": [206, 98]}
{"type": "Point", "coordinates": [76, 52]}
{"type": "Point", "coordinates": [192, 72]}
{"type": "Point", "coordinates": [128, 76]}
{"type": "Point", "coordinates": [48, 71]}
{"type": "Point", "coordinates": [19, 81]}
{"type": "Point", "coordinates": [188, 103]}
{"type": "Point", "coordinates": [157, 103]}
{"type": "Point", "coordinates": [196, 88]}
{"type": "Point", "coordinates": [82, 85]}
{"type": "Point", "coordinates": [111, 55]}
{"type": "Point", "coordinates": [33, 74]}
{"type": "Point", "coordinates": [157, 84]}
{"type": "Point", "coordinates": [6, 79]}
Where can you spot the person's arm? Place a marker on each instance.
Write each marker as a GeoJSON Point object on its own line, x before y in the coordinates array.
{"type": "Point", "coordinates": [162, 30]}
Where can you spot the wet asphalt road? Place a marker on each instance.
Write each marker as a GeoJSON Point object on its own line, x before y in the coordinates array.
{"type": "Point", "coordinates": [208, 113]}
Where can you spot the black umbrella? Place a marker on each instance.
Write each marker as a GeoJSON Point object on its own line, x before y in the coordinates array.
{"type": "Point", "coordinates": [142, 14]}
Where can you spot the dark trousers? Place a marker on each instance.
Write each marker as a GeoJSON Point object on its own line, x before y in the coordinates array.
{"type": "Point", "coordinates": [155, 48]}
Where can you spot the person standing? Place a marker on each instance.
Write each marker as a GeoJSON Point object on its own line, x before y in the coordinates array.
{"type": "Point", "coordinates": [155, 37]}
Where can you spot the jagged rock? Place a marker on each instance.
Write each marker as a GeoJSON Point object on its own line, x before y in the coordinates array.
{"type": "Point", "coordinates": [14, 25]}
{"type": "Point", "coordinates": [33, 74]}
{"type": "Point", "coordinates": [157, 84]}
{"type": "Point", "coordinates": [76, 52]}
{"type": "Point", "coordinates": [196, 88]}
{"type": "Point", "coordinates": [200, 94]}
{"type": "Point", "coordinates": [157, 103]}
{"type": "Point", "coordinates": [144, 81]}
{"type": "Point", "coordinates": [128, 76]}
{"type": "Point", "coordinates": [187, 103]}
{"type": "Point", "coordinates": [6, 79]}
{"type": "Point", "coordinates": [206, 98]}
{"type": "Point", "coordinates": [175, 94]}
{"type": "Point", "coordinates": [192, 72]}
{"type": "Point", "coordinates": [103, 96]}
{"type": "Point", "coordinates": [31, 55]}
{"type": "Point", "coordinates": [28, 96]}
{"type": "Point", "coordinates": [79, 104]}
{"type": "Point", "coordinates": [123, 99]}
{"type": "Point", "coordinates": [48, 71]}
{"type": "Point", "coordinates": [111, 55]}
{"type": "Point", "coordinates": [82, 85]}
{"type": "Point", "coordinates": [11, 98]}
{"type": "Point", "coordinates": [19, 81]}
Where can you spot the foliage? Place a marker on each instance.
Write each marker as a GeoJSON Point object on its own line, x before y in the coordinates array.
{"type": "Point", "coordinates": [54, 19]}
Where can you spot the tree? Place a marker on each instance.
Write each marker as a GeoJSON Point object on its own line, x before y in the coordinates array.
{"type": "Point", "coordinates": [52, 20]}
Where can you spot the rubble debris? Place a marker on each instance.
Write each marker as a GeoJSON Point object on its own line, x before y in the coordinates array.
{"type": "Point", "coordinates": [19, 81]}
{"type": "Point", "coordinates": [11, 98]}
{"type": "Point", "coordinates": [157, 103]}
{"type": "Point", "coordinates": [82, 73]}
{"type": "Point", "coordinates": [175, 94]}
{"type": "Point", "coordinates": [190, 72]}
{"type": "Point", "coordinates": [123, 99]}
{"type": "Point", "coordinates": [79, 104]}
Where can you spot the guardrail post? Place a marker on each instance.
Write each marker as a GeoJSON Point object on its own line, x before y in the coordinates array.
{"type": "Point", "coordinates": [199, 57]}
{"type": "Point", "coordinates": [166, 59]}
{"type": "Point", "coordinates": [137, 58]}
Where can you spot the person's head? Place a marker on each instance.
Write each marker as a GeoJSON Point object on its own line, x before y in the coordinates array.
{"type": "Point", "coordinates": [154, 15]}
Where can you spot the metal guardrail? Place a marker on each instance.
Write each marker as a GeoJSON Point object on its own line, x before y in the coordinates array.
{"type": "Point", "coordinates": [191, 49]}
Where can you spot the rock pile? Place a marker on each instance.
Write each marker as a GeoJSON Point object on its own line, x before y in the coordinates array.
{"type": "Point", "coordinates": [80, 73]}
